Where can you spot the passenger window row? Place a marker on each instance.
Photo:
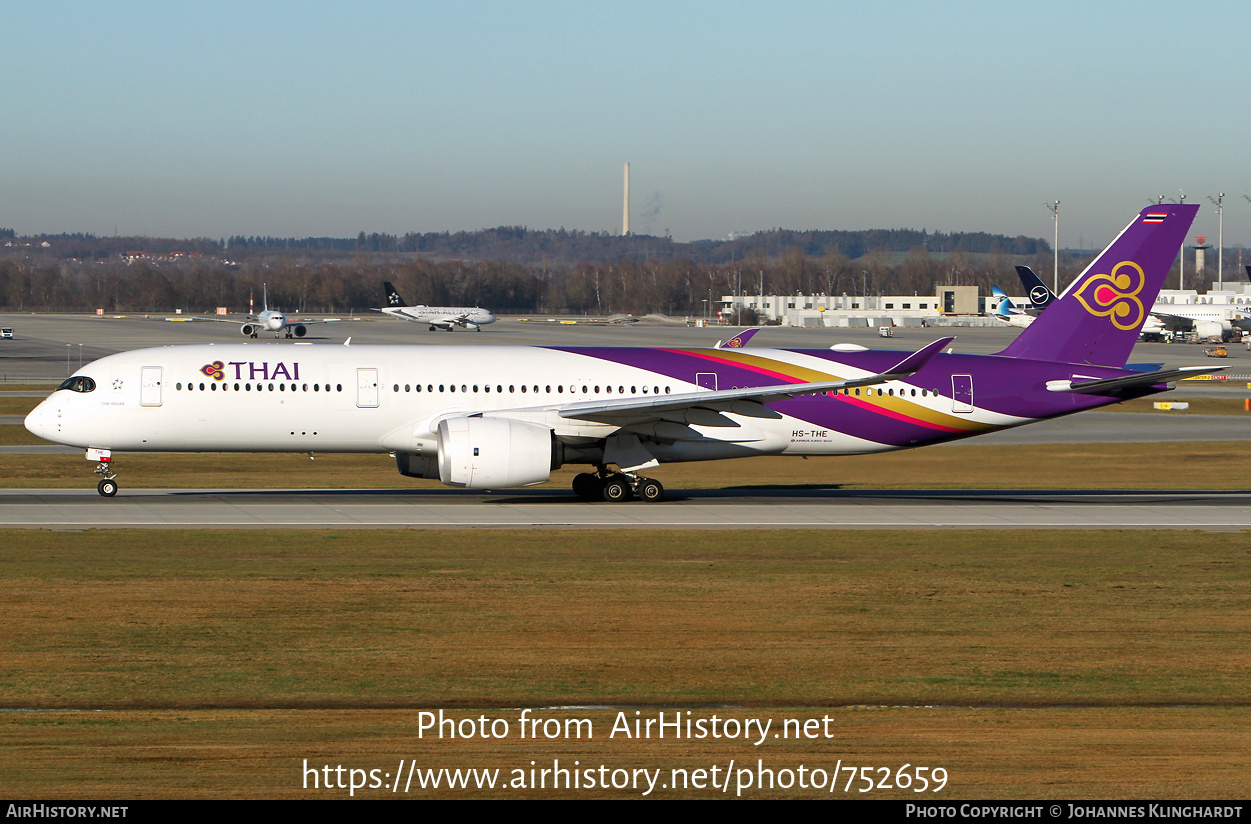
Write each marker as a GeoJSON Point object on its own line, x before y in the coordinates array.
{"type": "Point", "coordinates": [559, 389]}
{"type": "Point", "coordinates": [925, 393]}
{"type": "Point", "coordinates": [261, 387]}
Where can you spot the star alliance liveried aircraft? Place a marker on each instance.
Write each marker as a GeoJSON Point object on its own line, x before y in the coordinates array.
{"type": "Point", "coordinates": [439, 317]}
{"type": "Point", "coordinates": [487, 418]}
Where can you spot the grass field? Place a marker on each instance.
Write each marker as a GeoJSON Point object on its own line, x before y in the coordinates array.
{"type": "Point", "coordinates": [17, 406]}
{"type": "Point", "coordinates": [1065, 664]}
{"type": "Point", "coordinates": [210, 664]}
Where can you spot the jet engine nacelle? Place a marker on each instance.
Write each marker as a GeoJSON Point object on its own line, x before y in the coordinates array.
{"type": "Point", "coordinates": [299, 330]}
{"type": "Point", "coordinates": [248, 330]}
{"type": "Point", "coordinates": [1212, 328]}
{"type": "Point", "coordinates": [482, 453]}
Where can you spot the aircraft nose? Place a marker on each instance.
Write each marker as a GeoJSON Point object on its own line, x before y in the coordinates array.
{"type": "Point", "coordinates": [41, 422]}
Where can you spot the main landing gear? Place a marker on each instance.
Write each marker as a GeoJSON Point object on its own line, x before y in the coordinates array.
{"type": "Point", "coordinates": [613, 487]}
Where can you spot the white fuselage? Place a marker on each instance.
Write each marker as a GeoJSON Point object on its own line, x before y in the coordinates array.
{"type": "Point", "coordinates": [328, 398]}
{"type": "Point", "coordinates": [443, 317]}
{"type": "Point", "coordinates": [271, 320]}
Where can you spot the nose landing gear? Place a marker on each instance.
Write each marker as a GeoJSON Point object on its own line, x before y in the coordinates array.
{"type": "Point", "coordinates": [108, 484]}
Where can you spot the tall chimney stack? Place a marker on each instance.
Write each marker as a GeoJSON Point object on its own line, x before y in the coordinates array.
{"type": "Point", "coordinates": [625, 207]}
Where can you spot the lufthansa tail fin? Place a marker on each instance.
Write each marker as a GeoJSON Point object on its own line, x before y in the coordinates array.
{"type": "Point", "coordinates": [1097, 319]}
{"type": "Point", "coordinates": [1040, 294]}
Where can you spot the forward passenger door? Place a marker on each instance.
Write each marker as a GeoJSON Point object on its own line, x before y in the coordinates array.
{"type": "Point", "coordinates": [367, 388]}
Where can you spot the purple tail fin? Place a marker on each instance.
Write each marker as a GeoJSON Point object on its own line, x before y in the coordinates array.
{"type": "Point", "coordinates": [1098, 318]}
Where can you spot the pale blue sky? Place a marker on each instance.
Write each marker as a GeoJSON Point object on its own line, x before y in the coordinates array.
{"type": "Point", "coordinates": [315, 118]}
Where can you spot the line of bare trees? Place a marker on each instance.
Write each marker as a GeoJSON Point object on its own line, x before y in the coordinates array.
{"type": "Point", "coordinates": [675, 287]}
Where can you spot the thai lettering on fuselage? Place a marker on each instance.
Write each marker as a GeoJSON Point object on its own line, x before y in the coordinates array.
{"type": "Point", "coordinates": [266, 371]}
{"type": "Point", "coordinates": [253, 371]}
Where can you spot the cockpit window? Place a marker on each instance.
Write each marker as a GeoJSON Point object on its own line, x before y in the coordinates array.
{"type": "Point", "coordinates": [78, 383]}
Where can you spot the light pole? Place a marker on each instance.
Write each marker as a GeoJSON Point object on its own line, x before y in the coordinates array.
{"type": "Point", "coordinates": [1220, 240]}
{"type": "Point", "coordinates": [1055, 248]}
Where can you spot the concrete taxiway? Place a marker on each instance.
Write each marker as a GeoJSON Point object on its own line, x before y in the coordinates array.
{"type": "Point", "coordinates": [693, 509]}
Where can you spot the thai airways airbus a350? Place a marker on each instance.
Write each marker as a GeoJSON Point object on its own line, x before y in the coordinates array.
{"type": "Point", "coordinates": [493, 417]}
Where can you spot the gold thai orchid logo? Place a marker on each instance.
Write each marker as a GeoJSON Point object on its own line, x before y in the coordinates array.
{"type": "Point", "coordinates": [1115, 296]}
{"type": "Point", "coordinates": [214, 370]}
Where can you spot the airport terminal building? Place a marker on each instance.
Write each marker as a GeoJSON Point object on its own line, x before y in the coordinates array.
{"type": "Point", "coordinates": [951, 305]}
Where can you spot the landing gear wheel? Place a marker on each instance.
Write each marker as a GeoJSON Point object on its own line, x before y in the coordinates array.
{"type": "Point", "coordinates": [649, 491]}
{"type": "Point", "coordinates": [107, 487]}
{"type": "Point", "coordinates": [588, 487]}
{"type": "Point", "coordinates": [616, 489]}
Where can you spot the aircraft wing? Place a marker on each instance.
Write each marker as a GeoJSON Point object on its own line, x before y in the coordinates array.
{"type": "Point", "coordinates": [1175, 322]}
{"type": "Point", "coordinates": [290, 321]}
{"type": "Point", "coordinates": [1114, 386]}
{"type": "Point", "coordinates": [622, 411]}
{"type": "Point", "coordinates": [215, 320]}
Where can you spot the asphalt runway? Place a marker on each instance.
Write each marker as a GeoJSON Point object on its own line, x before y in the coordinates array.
{"type": "Point", "coordinates": [685, 509]}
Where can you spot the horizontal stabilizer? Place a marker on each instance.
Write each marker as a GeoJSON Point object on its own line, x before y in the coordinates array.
{"type": "Point", "coordinates": [1114, 386]}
